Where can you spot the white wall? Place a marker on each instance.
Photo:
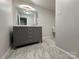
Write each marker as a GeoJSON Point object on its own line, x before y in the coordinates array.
{"type": "Point", "coordinates": [5, 23]}
{"type": "Point", "coordinates": [46, 18]}
{"type": "Point", "coordinates": [67, 25]}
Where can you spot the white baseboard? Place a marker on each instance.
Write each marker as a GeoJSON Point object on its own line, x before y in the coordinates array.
{"type": "Point", "coordinates": [67, 53]}
{"type": "Point", "coordinates": [47, 37]}
{"type": "Point", "coordinates": [6, 54]}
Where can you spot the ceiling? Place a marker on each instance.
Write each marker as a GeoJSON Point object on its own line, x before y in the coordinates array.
{"type": "Point", "coordinates": [49, 4]}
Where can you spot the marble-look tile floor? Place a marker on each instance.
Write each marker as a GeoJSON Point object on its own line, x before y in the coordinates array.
{"type": "Point", "coordinates": [45, 50]}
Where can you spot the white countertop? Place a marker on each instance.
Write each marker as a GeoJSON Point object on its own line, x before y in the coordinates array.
{"type": "Point", "coordinates": [28, 25]}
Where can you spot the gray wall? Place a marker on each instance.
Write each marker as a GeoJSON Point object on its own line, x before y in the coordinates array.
{"type": "Point", "coordinates": [5, 24]}
{"type": "Point", "coordinates": [67, 25]}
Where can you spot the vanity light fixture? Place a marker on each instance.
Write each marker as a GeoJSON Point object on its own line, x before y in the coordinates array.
{"type": "Point", "coordinates": [26, 7]}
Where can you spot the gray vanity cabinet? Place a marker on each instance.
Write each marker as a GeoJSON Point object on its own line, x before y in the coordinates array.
{"type": "Point", "coordinates": [23, 35]}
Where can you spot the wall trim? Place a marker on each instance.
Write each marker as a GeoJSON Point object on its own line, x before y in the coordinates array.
{"type": "Point", "coordinates": [6, 54]}
{"type": "Point", "coordinates": [69, 54]}
{"type": "Point", "coordinates": [48, 37]}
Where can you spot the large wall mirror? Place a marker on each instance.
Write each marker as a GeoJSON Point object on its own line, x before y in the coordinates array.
{"type": "Point", "coordinates": [26, 15]}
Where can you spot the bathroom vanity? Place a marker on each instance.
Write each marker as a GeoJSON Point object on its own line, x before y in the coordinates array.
{"type": "Point", "coordinates": [23, 35]}
{"type": "Point", "coordinates": [26, 29]}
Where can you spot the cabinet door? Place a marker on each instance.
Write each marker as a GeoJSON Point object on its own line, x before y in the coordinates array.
{"type": "Point", "coordinates": [37, 34]}
{"type": "Point", "coordinates": [20, 36]}
{"type": "Point", "coordinates": [34, 34]}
